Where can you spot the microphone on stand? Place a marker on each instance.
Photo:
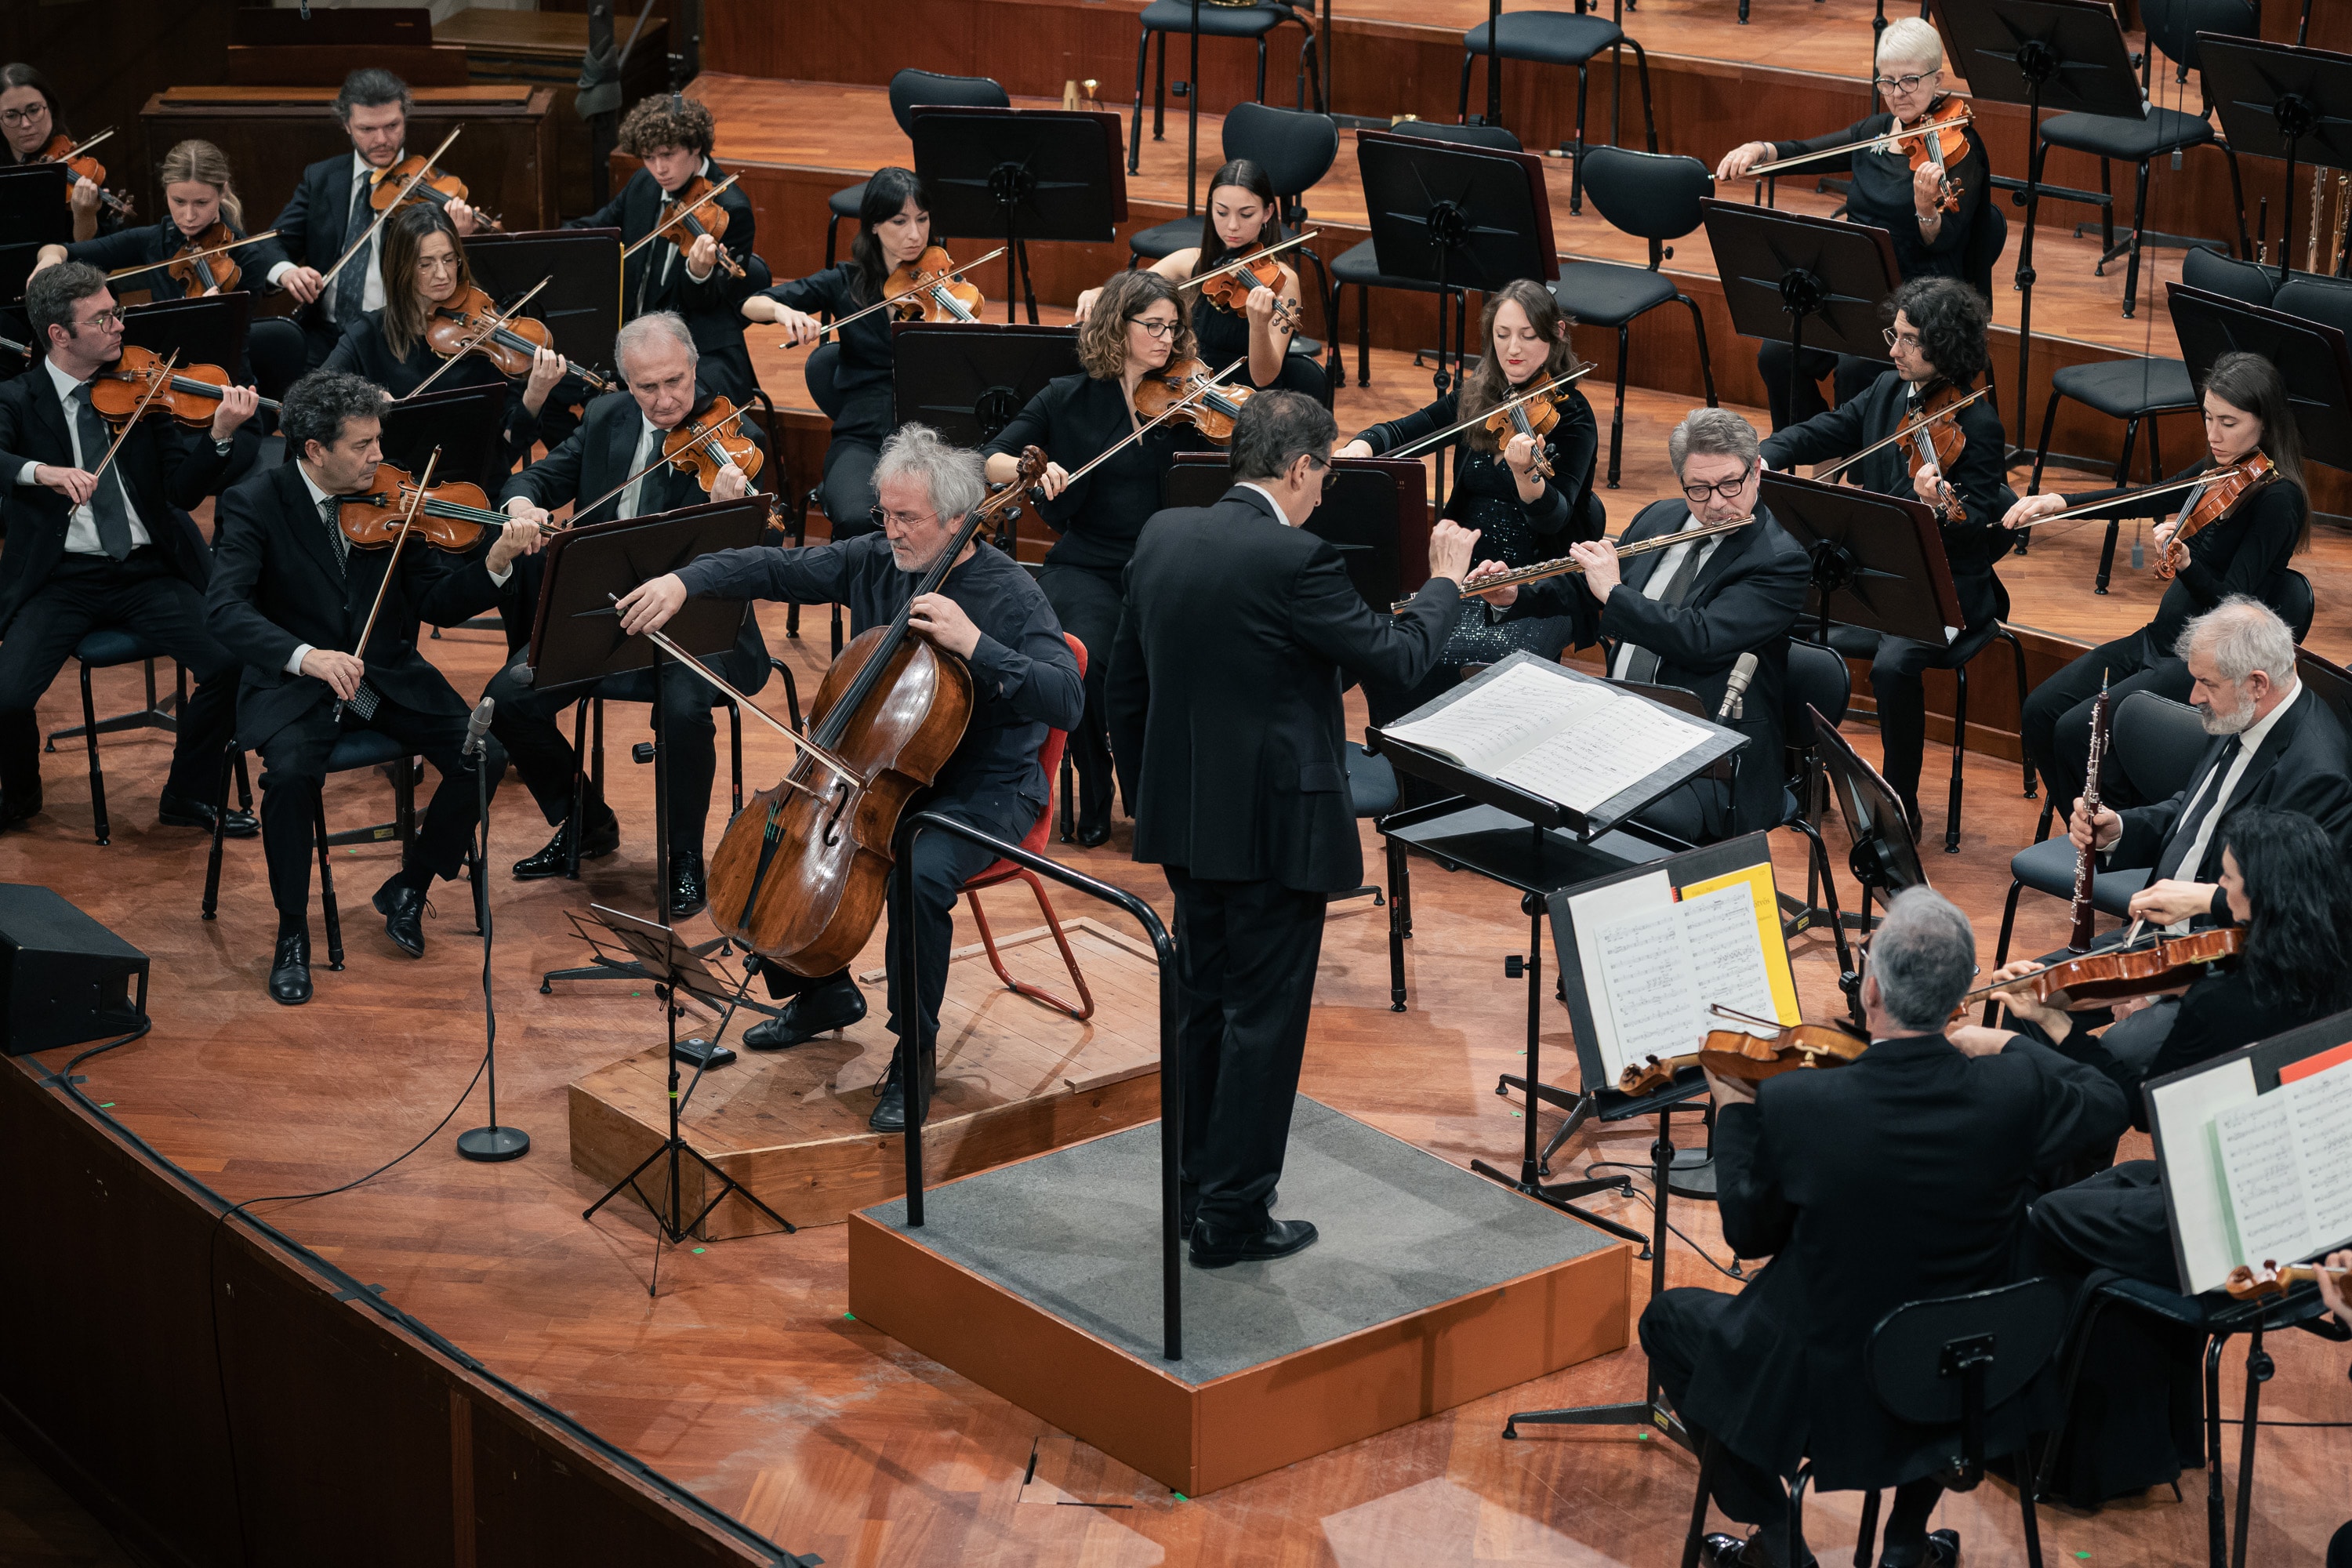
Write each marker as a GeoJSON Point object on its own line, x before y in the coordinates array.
{"type": "Point", "coordinates": [1735, 691]}
{"type": "Point", "coordinates": [480, 725]}
{"type": "Point", "coordinates": [494, 1141]}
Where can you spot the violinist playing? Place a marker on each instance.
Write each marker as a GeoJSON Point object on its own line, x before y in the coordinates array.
{"type": "Point", "coordinates": [87, 549]}
{"type": "Point", "coordinates": [1901, 1177]}
{"type": "Point", "coordinates": [1521, 515]}
{"type": "Point", "coordinates": [1243, 217]}
{"type": "Point", "coordinates": [623, 435]}
{"type": "Point", "coordinates": [332, 208]}
{"type": "Point", "coordinates": [1938, 340]}
{"type": "Point", "coordinates": [2262, 522]}
{"type": "Point", "coordinates": [31, 133]}
{"type": "Point", "coordinates": [987, 612]}
{"type": "Point", "coordinates": [290, 596]}
{"type": "Point", "coordinates": [706, 279]}
{"type": "Point", "coordinates": [894, 230]}
{"type": "Point", "coordinates": [425, 272]}
{"type": "Point", "coordinates": [1933, 207]}
{"type": "Point", "coordinates": [1134, 329]}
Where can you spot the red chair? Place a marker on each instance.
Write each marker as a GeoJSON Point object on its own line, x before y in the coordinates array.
{"type": "Point", "coordinates": [1050, 757]}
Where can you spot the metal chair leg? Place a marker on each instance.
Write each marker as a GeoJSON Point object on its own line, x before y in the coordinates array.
{"type": "Point", "coordinates": [220, 813]}
{"type": "Point", "coordinates": [97, 774]}
{"type": "Point", "coordinates": [327, 883]}
{"type": "Point", "coordinates": [1617, 420]}
{"type": "Point", "coordinates": [1960, 752]}
{"type": "Point", "coordinates": [1082, 1009]}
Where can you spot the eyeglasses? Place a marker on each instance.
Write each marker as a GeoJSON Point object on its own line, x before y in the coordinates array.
{"type": "Point", "coordinates": [1900, 340]}
{"type": "Point", "coordinates": [903, 519]}
{"type": "Point", "coordinates": [1330, 474]}
{"type": "Point", "coordinates": [1153, 329]}
{"type": "Point", "coordinates": [1697, 495]}
{"type": "Point", "coordinates": [1901, 83]}
{"type": "Point", "coordinates": [103, 319]}
{"type": "Point", "coordinates": [24, 116]}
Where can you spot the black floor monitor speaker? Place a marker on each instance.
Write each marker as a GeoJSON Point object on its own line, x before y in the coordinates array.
{"type": "Point", "coordinates": [64, 978]}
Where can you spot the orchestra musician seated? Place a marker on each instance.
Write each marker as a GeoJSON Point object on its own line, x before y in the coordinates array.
{"type": "Point", "coordinates": [1903, 1176]}
{"type": "Point", "coordinates": [290, 595]}
{"type": "Point", "coordinates": [87, 549]}
{"type": "Point", "coordinates": [621, 437]}
{"type": "Point", "coordinates": [1938, 340]}
{"type": "Point", "coordinates": [332, 208]}
{"type": "Point", "coordinates": [989, 613]}
{"type": "Point", "coordinates": [30, 124]}
{"type": "Point", "coordinates": [1683, 616]}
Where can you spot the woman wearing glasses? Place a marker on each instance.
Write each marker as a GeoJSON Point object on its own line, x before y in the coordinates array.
{"type": "Point", "coordinates": [1886, 193]}
{"type": "Point", "coordinates": [29, 123]}
{"type": "Point", "coordinates": [1136, 326]}
{"type": "Point", "coordinates": [1522, 515]}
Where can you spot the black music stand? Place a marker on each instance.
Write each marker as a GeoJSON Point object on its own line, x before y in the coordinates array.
{"type": "Point", "coordinates": [581, 302]}
{"type": "Point", "coordinates": [1376, 515]}
{"type": "Point", "coordinates": [2310, 357]}
{"type": "Point", "coordinates": [2274, 101]}
{"type": "Point", "coordinates": [1878, 560]}
{"type": "Point", "coordinates": [1883, 857]}
{"type": "Point", "coordinates": [675, 968]}
{"type": "Point", "coordinates": [1816, 281]}
{"type": "Point", "coordinates": [1021, 174]}
{"type": "Point", "coordinates": [33, 213]}
{"type": "Point", "coordinates": [968, 379]}
{"type": "Point", "coordinates": [207, 330]}
{"type": "Point", "coordinates": [2064, 55]}
{"type": "Point", "coordinates": [463, 422]}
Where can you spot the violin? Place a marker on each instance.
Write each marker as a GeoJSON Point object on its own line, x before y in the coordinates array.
{"type": "Point", "coordinates": [452, 516]}
{"type": "Point", "coordinates": [415, 179]}
{"type": "Point", "coordinates": [690, 213]}
{"type": "Point", "coordinates": [705, 443]}
{"type": "Point", "coordinates": [1940, 138]}
{"type": "Point", "coordinates": [1229, 282]}
{"type": "Point", "coordinates": [1749, 1059]}
{"type": "Point", "coordinates": [188, 392]}
{"type": "Point", "coordinates": [470, 323]}
{"type": "Point", "coordinates": [1185, 390]}
{"type": "Point", "coordinates": [2245, 1284]}
{"type": "Point", "coordinates": [62, 150]}
{"type": "Point", "coordinates": [1938, 439]}
{"type": "Point", "coordinates": [2119, 973]}
{"type": "Point", "coordinates": [2213, 503]}
{"type": "Point", "coordinates": [1534, 417]}
{"type": "Point", "coordinates": [929, 289]}
{"type": "Point", "coordinates": [202, 265]}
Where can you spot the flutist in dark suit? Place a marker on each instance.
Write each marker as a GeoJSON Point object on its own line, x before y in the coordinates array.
{"type": "Point", "coordinates": [1224, 702]}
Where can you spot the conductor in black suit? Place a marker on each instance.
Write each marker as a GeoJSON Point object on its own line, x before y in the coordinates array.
{"type": "Point", "coordinates": [1899, 1178]}
{"type": "Point", "coordinates": [115, 550]}
{"type": "Point", "coordinates": [1224, 698]}
{"type": "Point", "coordinates": [1685, 614]}
{"type": "Point", "coordinates": [289, 594]}
{"type": "Point", "coordinates": [330, 210]}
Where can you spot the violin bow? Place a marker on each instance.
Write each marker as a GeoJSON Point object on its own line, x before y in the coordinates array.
{"type": "Point", "coordinates": [495, 321]}
{"type": "Point", "coordinates": [411, 184]}
{"type": "Point", "coordinates": [189, 256]}
{"type": "Point", "coordinates": [2092, 509]}
{"type": "Point", "coordinates": [1140, 431]}
{"type": "Point", "coordinates": [1966, 117]}
{"type": "Point", "coordinates": [1426, 442]}
{"type": "Point", "coordinates": [157, 381]}
{"type": "Point", "coordinates": [681, 215]}
{"type": "Point", "coordinates": [73, 153]}
{"type": "Point", "coordinates": [580, 512]}
{"type": "Point", "coordinates": [905, 293]}
{"type": "Point", "coordinates": [1238, 262]}
{"type": "Point", "coordinates": [1905, 434]}
{"type": "Point", "coordinates": [399, 538]}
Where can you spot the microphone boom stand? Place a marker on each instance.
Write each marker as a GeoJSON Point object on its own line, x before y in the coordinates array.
{"type": "Point", "coordinates": [492, 1142]}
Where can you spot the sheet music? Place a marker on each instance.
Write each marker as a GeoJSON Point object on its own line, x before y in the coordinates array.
{"type": "Point", "coordinates": [2183, 1114]}
{"type": "Point", "coordinates": [2322, 1109]}
{"type": "Point", "coordinates": [1726, 955]}
{"type": "Point", "coordinates": [1619, 744]}
{"type": "Point", "coordinates": [1489, 726]}
{"type": "Point", "coordinates": [1616, 929]}
{"type": "Point", "coordinates": [2256, 1144]}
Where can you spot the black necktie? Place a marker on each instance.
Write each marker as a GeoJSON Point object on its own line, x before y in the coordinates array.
{"type": "Point", "coordinates": [105, 503]}
{"type": "Point", "coordinates": [1644, 666]}
{"type": "Point", "coordinates": [351, 285]}
{"type": "Point", "coordinates": [331, 511]}
{"type": "Point", "coordinates": [2174, 861]}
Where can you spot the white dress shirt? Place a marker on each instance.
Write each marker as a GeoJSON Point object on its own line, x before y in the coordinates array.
{"type": "Point", "coordinates": [2249, 741]}
{"type": "Point", "coordinates": [371, 296]}
{"type": "Point", "coordinates": [318, 500]}
{"type": "Point", "coordinates": [1655, 587]}
{"type": "Point", "coordinates": [1283, 516]}
{"type": "Point", "coordinates": [649, 445]}
{"type": "Point", "coordinates": [81, 524]}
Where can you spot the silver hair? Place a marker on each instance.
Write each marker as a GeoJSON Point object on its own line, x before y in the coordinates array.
{"type": "Point", "coordinates": [1924, 957]}
{"type": "Point", "coordinates": [2243, 634]}
{"type": "Point", "coordinates": [949, 475]}
{"type": "Point", "coordinates": [1711, 430]}
{"type": "Point", "coordinates": [1913, 40]}
{"type": "Point", "coordinates": [653, 324]}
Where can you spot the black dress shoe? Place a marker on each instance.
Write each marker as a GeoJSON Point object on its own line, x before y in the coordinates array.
{"type": "Point", "coordinates": [15, 808]}
{"type": "Point", "coordinates": [1943, 1551]}
{"type": "Point", "coordinates": [1189, 1205]}
{"type": "Point", "coordinates": [403, 909]}
{"type": "Point", "coordinates": [603, 838]}
{"type": "Point", "coordinates": [890, 1110]}
{"type": "Point", "coordinates": [1094, 816]}
{"type": "Point", "coordinates": [687, 896]}
{"type": "Point", "coordinates": [174, 810]}
{"type": "Point", "coordinates": [290, 969]}
{"type": "Point", "coordinates": [1214, 1249]}
{"type": "Point", "coordinates": [805, 1016]}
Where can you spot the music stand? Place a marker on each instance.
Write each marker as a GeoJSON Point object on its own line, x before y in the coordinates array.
{"type": "Point", "coordinates": [1808, 280]}
{"type": "Point", "coordinates": [1878, 560]}
{"type": "Point", "coordinates": [1376, 515]}
{"type": "Point", "coordinates": [2310, 357]}
{"type": "Point", "coordinates": [1022, 174]}
{"type": "Point", "coordinates": [580, 305]}
{"type": "Point", "coordinates": [1883, 857]}
{"type": "Point", "coordinates": [968, 379]}
{"type": "Point", "coordinates": [207, 330]}
{"type": "Point", "coordinates": [2273, 100]}
{"type": "Point", "coordinates": [463, 422]}
{"type": "Point", "coordinates": [2064, 55]}
{"type": "Point", "coordinates": [675, 967]}
{"type": "Point", "coordinates": [33, 213]}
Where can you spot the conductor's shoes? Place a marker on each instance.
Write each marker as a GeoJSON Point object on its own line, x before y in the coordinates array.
{"type": "Point", "coordinates": [403, 909]}
{"type": "Point", "coordinates": [1216, 1248]}
{"type": "Point", "coordinates": [290, 969]}
{"type": "Point", "coordinates": [602, 838]}
{"type": "Point", "coordinates": [811, 1013]}
{"type": "Point", "coordinates": [1943, 1551]}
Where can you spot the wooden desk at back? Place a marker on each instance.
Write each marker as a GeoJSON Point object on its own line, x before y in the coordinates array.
{"type": "Point", "coordinates": [506, 157]}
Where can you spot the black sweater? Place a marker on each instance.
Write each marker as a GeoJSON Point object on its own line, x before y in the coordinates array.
{"type": "Point", "coordinates": [156, 242]}
{"type": "Point", "coordinates": [1074, 419]}
{"type": "Point", "coordinates": [1573, 443]}
{"type": "Point", "coordinates": [865, 362]}
{"type": "Point", "coordinates": [362, 351]}
{"type": "Point", "coordinates": [2244, 553]}
{"type": "Point", "coordinates": [1881, 194]}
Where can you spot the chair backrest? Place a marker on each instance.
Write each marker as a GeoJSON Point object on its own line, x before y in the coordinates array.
{"type": "Point", "coordinates": [2328, 301]}
{"type": "Point", "coordinates": [911, 87]}
{"type": "Point", "coordinates": [1983, 252]}
{"type": "Point", "coordinates": [1820, 678]}
{"type": "Point", "coordinates": [818, 371]}
{"type": "Point", "coordinates": [1495, 136]}
{"type": "Point", "coordinates": [2173, 25]}
{"type": "Point", "coordinates": [2218, 272]}
{"type": "Point", "coordinates": [2331, 683]}
{"type": "Point", "coordinates": [1049, 757]}
{"type": "Point", "coordinates": [1294, 149]}
{"type": "Point", "coordinates": [2157, 742]}
{"type": "Point", "coordinates": [1653, 195]}
{"type": "Point", "coordinates": [1918, 1355]}
{"type": "Point", "coordinates": [2296, 606]}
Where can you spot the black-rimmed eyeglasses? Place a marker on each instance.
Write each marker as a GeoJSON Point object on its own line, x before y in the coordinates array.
{"type": "Point", "coordinates": [1697, 494]}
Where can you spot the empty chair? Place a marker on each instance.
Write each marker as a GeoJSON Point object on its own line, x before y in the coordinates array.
{"type": "Point", "coordinates": [1557, 38]}
{"type": "Point", "coordinates": [1221, 20]}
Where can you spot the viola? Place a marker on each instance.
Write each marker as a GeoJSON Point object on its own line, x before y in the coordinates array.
{"type": "Point", "coordinates": [1940, 440]}
{"type": "Point", "coordinates": [929, 289]}
{"type": "Point", "coordinates": [690, 211]}
{"type": "Point", "coordinates": [415, 179]}
{"type": "Point", "coordinates": [188, 392]}
{"type": "Point", "coordinates": [451, 517]}
{"type": "Point", "coordinates": [2148, 968]}
{"type": "Point", "coordinates": [471, 324]}
{"type": "Point", "coordinates": [1534, 417]}
{"type": "Point", "coordinates": [1749, 1059]}
{"type": "Point", "coordinates": [2214, 502]}
{"type": "Point", "coordinates": [2245, 1284]}
{"type": "Point", "coordinates": [1940, 138]}
{"type": "Point", "coordinates": [63, 150]}
{"type": "Point", "coordinates": [705, 443]}
{"type": "Point", "coordinates": [1185, 389]}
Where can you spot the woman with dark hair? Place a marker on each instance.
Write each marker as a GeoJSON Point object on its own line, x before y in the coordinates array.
{"type": "Point", "coordinates": [1136, 326]}
{"type": "Point", "coordinates": [1243, 216]}
{"type": "Point", "coordinates": [2244, 551]}
{"type": "Point", "coordinates": [895, 222]}
{"type": "Point", "coordinates": [424, 268]}
{"type": "Point", "coordinates": [29, 121]}
{"type": "Point", "coordinates": [1937, 338]}
{"type": "Point", "coordinates": [1521, 516]}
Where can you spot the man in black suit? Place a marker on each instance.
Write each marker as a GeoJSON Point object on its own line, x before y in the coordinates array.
{"type": "Point", "coordinates": [329, 212]}
{"type": "Point", "coordinates": [673, 135]}
{"type": "Point", "coordinates": [2275, 744]}
{"type": "Point", "coordinates": [987, 612]}
{"type": "Point", "coordinates": [84, 553]}
{"type": "Point", "coordinates": [1685, 614]}
{"type": "Point", "coordinates": [1224, 696]}
{"type": "Point", "coordinates": [1899, 1178]}
{"type": "Point", "coordinates": [1938, 340]}
{"type": "Point", "coordinates": [620, 436]}
{"type": "Point", "coordinates": [289, 594]}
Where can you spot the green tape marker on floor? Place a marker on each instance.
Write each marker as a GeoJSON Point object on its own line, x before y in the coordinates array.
{"type": "Point", "coordinates": [849, 1316]}
{"type": "Point", "coordinates": [697, 1252]}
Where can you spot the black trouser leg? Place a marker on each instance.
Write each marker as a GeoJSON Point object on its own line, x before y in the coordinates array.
{"type": "Point", "coordinates": [1902, 698]}
{"type": "Point", "coordinates": [293, 771]}
{"type": "Point", "coordinates": [691, 738]}
{"type": "Point", "coordinates": [1088, 603]}
{"type": "Point", "coordinates": [529, 725]}
{"type": "Point", "coordinates": [848, 485]}
{"type": "Point", "coordinates": [2057, 717]}
{"type": "Point", "coordinates": [439, 848]}
{"type": "Point", "coordinates": [39, 641]}
{"type": "Point", "coordinates": [170, 613]}
{"type": "Point", "coordinates": [943, 863]}
{"type": "Point", "coordinates": [1674, 1328]}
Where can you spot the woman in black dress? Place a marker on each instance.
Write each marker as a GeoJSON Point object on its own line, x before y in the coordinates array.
{"type": "Point", "coordinates": [2246, 552]}
{"type": "Point", "coordinates": [1137, 326]}
{"type": "Point", "coordinates": [895, 222]}
{"type": "Point", "coordinates": [1243, 216]}
{"type": "Point", "coordinates": [1521, 517]}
